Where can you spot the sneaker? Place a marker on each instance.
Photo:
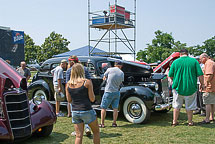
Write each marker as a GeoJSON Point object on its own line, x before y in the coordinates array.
{"type": "Point", "coordinates": [197, 112]}
{"type": "Point", "coordinates": [203, 114]}
{"type": "Point", "coordinates": [73, 133]}
{"type": "Point", "coordinates": [88, 132]}
{"type": "Point", "coordinates": [60, 114]}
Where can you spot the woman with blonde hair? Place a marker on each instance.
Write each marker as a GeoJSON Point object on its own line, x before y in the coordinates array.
{"type": "Point", "coordinates": [79, 92]}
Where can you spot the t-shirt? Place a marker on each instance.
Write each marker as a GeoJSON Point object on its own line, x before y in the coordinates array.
{"type": "Point", "coordinates": [25, 72]}
{"type": "Point", "coordinates": [209, 69]}
{"type": "Point", "coordinates": [80, 98]}
{"type": "Point", "coordinates": [185, 71]}
{"type": "Point", "coordinates": [114, 77]}
{"type": "Point", "coordinates": [57, 74]}
{"type": "Point", "coordinates": [86, 72]}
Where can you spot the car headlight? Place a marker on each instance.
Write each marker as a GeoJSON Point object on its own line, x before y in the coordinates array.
{"type": "Point", "coordinates": [156, 86]}
{"type": "Point", "coordinates": [37, 100]}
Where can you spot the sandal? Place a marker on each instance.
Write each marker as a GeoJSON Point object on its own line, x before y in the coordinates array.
{"type": "Point", "coordinates": [174, 124]}
{"type": "Point", "coordinates": [102, 126]}
{"type": "Point", "coordinates": [191, 124]}
{"type": "Point", "coordinates": [114, 125]}
{"type": "Point", "coordinates": [204, 122]}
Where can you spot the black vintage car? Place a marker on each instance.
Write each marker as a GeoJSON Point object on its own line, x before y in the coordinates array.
{"type": "Point", "coordinates": [141, 91]}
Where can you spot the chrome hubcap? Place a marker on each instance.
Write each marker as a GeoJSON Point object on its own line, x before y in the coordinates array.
{"type": "Point", "coordinates": [134, 110]}
{"type": "Point", "coordinates": [41, 94]}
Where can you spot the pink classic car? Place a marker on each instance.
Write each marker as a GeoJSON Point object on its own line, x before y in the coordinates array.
{"type": "Point", "coordinates": [19, 117]}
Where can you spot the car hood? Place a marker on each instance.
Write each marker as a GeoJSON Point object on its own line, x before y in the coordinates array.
{"type": "Point", "coordinates": [17, 79]}
{"type": "Point", "coordinates": [165, 64]}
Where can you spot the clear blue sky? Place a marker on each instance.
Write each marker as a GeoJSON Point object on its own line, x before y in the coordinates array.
{"type": "Point", "coordinates": [190, 21]}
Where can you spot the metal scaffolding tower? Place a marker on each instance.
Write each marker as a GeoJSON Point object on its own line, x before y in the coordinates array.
{"type": "Point", "coordinates": [113, 22]}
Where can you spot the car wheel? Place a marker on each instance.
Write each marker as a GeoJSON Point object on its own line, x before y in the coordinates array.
{"type": "Point", "coordinates": [135, 110]}
{"type": "Point", "coordinates": [40, 93]}
{"type": "Point", "coordinates": [44, 131]}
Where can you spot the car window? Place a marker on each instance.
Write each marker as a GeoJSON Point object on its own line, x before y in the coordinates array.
{"type": "Point", "coordinates": [84, 64]}
{"type": "Point", "coordinates": [54, 65]}
{"type": "Point", "coordinates": [91, 68]}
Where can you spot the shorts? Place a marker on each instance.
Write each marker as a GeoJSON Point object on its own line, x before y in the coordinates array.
{"type": "Point", "coordinates": [110, 98]}
{"type": "Point", "coordinates": [85, 117]}
{"type": "Point", "coordinates": [59, 96]}
{"type": "Point", "coordinates": [190, 101]}
{"type": "Point", "coordinates": [208, 98]}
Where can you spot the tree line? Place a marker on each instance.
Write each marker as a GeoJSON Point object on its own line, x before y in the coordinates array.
{"type": "Point", "coordinates": [162, 46]}
{"type": "Point", "coordinates": [54, 44]}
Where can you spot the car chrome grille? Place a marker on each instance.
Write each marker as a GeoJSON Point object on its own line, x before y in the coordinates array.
{"type": "Point", "coordinates": [18, 114]}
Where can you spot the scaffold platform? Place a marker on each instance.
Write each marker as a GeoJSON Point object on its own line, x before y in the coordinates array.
{"type": "Point", "coordinates": [111, 26]}
{"type": "Point", "coordinates": [112, 23]}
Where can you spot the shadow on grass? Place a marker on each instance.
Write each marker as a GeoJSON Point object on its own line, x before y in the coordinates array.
{"type": "Point", "coordinates": [106, 135]}
{"type": "Point", "coordinates": [55, 138]}
{"type": "Point", "coordinates": [157, 119]}
{"type": "Point", "coordinates": [109, 135]}
{"type": "Point", "coordinates": [211, 125]}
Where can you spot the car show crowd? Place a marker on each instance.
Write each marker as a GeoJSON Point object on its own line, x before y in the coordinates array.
{"type": "Point", "coordinates": [190, 81]}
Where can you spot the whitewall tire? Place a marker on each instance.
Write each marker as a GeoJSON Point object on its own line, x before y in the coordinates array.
{"type": "Point", "coordinates": [135, 110]}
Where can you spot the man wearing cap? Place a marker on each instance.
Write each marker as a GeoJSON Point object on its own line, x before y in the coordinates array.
{"type": "Point", "coordinates": [72, 60]}
{"type": "Point", "coordinates": [58, 86]}
{"type": "Point", "coordinates": [184, 72]}
{"type": "Point", "coordinates": [114, 78]}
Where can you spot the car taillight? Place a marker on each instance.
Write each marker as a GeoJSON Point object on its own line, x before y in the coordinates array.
{"type": "Point", "coordinates": [1, 109]}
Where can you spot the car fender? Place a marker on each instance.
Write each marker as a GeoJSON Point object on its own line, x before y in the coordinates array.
{"type": "Point", "coordinates": [39, 84]}
{"type": "Point", "coordinates": [42, 115]}
{"type": "Point", "coordinates": [146, 94]}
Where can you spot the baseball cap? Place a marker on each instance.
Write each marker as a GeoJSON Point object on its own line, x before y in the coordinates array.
{"type": "Point", "coordinates": [63, 61]}
{"type": "Point", "coordinates": [118, 62]}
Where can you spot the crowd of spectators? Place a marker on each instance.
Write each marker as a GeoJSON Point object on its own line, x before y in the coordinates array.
{"type": "Point", "coordinates": [79, 94]}
{"type": "Point", "coordinates": [183, 76]}
{"type": "Point", "coordinates": [184, 73]}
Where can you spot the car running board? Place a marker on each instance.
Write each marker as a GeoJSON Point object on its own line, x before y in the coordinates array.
{"type": "Point", "coordinates": [95, 107]}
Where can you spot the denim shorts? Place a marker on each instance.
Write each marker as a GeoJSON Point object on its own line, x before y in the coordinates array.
{"type": "Point", "coordinates": [85, 117]}
{"type": "Point", "coordinates": [110, 98]}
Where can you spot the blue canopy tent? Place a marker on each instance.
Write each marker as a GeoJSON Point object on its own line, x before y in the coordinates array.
{"type": "Point", "coordinates": [83, 51]}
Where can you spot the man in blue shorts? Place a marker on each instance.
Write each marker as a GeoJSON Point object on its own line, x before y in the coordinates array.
{"type": "Point", "coordinates": [114, 78]}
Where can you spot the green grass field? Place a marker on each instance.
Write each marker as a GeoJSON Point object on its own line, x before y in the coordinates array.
{"type": "Point", "coordinates": [157, 130]}
{"type": "Point", "coordinates": [32, 74]}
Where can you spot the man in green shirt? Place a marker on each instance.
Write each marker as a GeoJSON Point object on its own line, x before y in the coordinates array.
{"type": "Point", "coordinates": [184, 72]}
